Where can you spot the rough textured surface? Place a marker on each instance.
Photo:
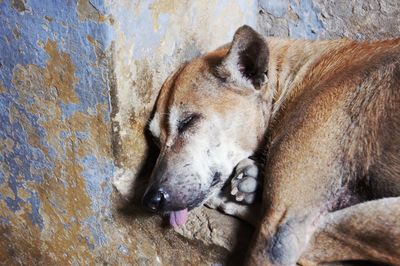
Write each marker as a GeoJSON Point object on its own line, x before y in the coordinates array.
{"type": "Point", "coordinates": [62, 65]}
{"type": "Point", "coordinates": [56, 162]}
{"type": "Point", "coordinates": [323, 19]}
{"type": "Point", "coordinates": [55, 159]}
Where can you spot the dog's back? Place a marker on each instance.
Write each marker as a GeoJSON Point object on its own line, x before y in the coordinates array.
{"type": "Point", "coordinates": [373, 141]}
{"type": "Point", "coordinates": [357, 87]}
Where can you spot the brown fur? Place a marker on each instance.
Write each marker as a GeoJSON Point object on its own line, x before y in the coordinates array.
{"type": "Point", "coordinates": [331, 111]}
{"type": "Point", "coordinates": [327, 141]}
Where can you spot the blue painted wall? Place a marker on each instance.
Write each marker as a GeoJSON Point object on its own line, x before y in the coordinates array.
{"type": "Point", "coordinates": [55, 158]}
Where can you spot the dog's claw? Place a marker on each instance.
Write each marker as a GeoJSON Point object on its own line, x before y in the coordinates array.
{"type": "Point", "coordinates": [245, 182]}
{"type": "Point", "coordinates": [240, 197]}
{"type": "Point", "coordinates": [234, 191]}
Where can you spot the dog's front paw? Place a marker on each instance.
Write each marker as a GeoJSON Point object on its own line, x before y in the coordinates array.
{"type": "Point", "coordinates": [245, 181]}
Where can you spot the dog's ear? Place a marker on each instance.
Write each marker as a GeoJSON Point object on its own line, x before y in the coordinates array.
{"type": "Point", "coordinates": [246, 62]}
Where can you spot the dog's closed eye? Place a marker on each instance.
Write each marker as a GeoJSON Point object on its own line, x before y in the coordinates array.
{"type": "Point", "coordinates": [187, 122]}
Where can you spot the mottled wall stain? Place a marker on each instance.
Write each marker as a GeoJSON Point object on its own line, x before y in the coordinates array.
{"type": "Point", "coordinates": [54, 116]}
{"type": "Point", "coordinates": [56, 199]}
{"type": "Point", "coordinates": [19, 5]}
{"type": "Point", "coordinates": [62, 200]}
{"type": "Point", "coordinates": [2, 89]}
{"type": "Point", "coordinates": [16, 33]}
{"type": "Point", "coordinates": [60, 73]}
{"type": "Point", "coordinates": [162, 7]}
{"type": "Point", "coordinates": [86, 10]}
{"type": "Point", "coordinates": [100, 54]}
{"type": "Point", "coordinates": [305, 22]}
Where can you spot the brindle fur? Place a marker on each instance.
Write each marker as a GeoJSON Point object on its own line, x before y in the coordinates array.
{"type": "Point", "coordinates": [331, 112]}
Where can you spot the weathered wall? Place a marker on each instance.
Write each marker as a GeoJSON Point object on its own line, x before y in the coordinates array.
{"type": "Point", "coordinates": [60, 64]}
{"type": "Point", "coordinates": [55, 154]}
{"type": "Point", "coordinates": [325, 19]}
{"type": "Point", "coordinates": [55, 145]}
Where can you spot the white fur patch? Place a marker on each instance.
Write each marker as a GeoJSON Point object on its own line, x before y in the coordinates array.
{"type": "Point", "coordinates": [154, 126]}
{"type": "Point", "coordinates": [231, 64]}
{"type": "Point", "coordinates": [173, 118]}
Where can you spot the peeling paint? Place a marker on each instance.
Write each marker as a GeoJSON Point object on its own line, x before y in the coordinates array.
{"type": "Point", "coordinates": [56, 164]}
{"type": "Point", "coordinates": [98, 50]}
{"type": "Point", "coordinates": [2, 89]}
{"type": "Point", "coordinates": [60, 73]}
{"type": "Point", "coordinates": [88, 11]}
{"type": "Point", "coordinates": [55, 115]}
{"type": "Point", "coordinates": [160, 7]}
{"type": "Point", "coordinates": [276, 8]}
{"type": "Point", "coordinates": [307, 24]}
{"type": "Point", "coordinates": [19, 5]}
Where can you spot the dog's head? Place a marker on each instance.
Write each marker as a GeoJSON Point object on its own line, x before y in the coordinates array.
{"type": "Point", "coordinates": [209, 115]}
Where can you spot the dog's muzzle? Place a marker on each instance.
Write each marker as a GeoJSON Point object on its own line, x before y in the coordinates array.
{"type": "Point", "coordinates": [158, 200]}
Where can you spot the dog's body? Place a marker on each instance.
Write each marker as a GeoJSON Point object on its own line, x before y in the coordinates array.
{"type": "Point", "coordinates": [331, 111]}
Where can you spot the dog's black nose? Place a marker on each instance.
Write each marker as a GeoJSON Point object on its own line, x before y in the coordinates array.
{"type": "Point", "coordinates": [155, 199]}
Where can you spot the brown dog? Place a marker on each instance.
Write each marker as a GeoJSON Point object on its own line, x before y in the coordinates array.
{"type": "Point", "coordinates": [328, 115]}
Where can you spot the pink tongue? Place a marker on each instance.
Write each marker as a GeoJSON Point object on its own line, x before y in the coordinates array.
{"type": "Point", "coordinates": [178, 218]}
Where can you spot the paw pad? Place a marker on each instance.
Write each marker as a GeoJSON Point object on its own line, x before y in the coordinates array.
{"type": "Point", "coordinates": [245, 182]}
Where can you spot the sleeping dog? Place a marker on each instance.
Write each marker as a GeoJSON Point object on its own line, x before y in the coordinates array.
{"type": "Point", "coordinates": [326, 115]}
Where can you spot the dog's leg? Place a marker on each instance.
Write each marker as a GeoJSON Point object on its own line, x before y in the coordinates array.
{"type": "Point", "coordinates": [368, 231]}
{"type": "Point", "coordinates": [300, 188]}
